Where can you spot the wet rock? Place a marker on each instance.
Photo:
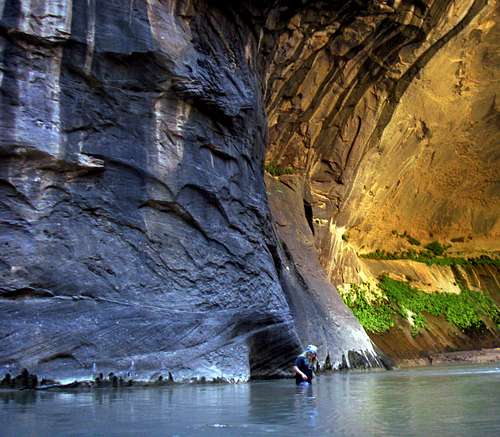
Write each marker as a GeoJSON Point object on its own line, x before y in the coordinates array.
{"type": "Point", "coordinates": [23, 381]}
{"type": "Point", "coordinates": [320, 315]}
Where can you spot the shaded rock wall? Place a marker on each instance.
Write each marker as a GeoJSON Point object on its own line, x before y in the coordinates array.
{"type": "Point", "coordinates": [135, 232]}
{"type": "Point", "coordinates": [439, 336]}
{"type": "Point", "coordinates": [319, 313]}
{"type": "Point", "coordinates": [133, 212]}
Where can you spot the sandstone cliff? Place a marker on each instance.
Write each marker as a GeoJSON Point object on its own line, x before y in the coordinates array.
{"type": "Point", "coordinates": [396, 140]}
{"type": "Point", "coordinates": [136, 234]}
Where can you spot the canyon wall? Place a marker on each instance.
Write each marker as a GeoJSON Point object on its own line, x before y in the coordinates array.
{"type": "Point", "coordinates": [136, 233]}
{"type": "Point", "coordinates": [434, 173]}
{"type": "Point", "coordinates": [333, 87]}
{"type": "Point", "coordinates": [433, 177]}
{"type": "Point", "coordinates": [396, 139]}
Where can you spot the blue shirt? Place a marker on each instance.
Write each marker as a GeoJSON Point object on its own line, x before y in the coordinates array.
{"type": "Point", "coordinates": [305, 366]}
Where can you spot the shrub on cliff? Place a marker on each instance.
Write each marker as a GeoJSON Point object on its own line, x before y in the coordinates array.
{"type": "Point", "coordinates": [436, 248]}
{"type": "Point", "coordinates": [468, 310]}
{"type": "Point", "coordinates": [372, 312]}
{"type": "Point", "coordinates": [274, 170]}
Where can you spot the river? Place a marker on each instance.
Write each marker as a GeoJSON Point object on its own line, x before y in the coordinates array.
{"type": "Point", "coordinates": [433, 401]}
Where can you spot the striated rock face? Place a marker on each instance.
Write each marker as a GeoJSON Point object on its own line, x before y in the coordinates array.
{"type": "Point", "coordinates": [336, 83]}
{"type": "Point", "coordinates": [391, 118]}
{"type": "Point", "coordinates": [435, 172]}
{"type": "Point", "coordinates": [318, 310]}
{"type": "Point", "coordinates": [135, 231]}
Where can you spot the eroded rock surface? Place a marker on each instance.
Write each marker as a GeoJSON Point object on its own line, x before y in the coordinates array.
{"type": "Point", "coordinates": [435, 172]}
{"type": "Point", "coordinates": [319, 313]}
{"type": "Point", "coordinates": [334, 84]}
{"type": "Point", "coordinates": [136, 236]}
{"type": "Point", "coordinates": [394, 134]}
{"type": "Point", "coordinates": [135, 232]}
{"type": "Point", "coordinates": [135, 229]}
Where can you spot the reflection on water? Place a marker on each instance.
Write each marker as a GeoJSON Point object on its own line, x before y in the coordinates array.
{"type": "Point", "coordinates": [454, 401]}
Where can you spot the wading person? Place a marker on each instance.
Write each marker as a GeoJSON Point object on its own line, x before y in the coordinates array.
{"type": "Point", "coordinates": [304, 365]}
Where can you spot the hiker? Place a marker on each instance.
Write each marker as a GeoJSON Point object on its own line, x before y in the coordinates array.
{"type": "Point", "coordinates": [304, 365]}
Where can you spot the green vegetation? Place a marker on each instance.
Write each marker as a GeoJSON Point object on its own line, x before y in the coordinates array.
{"type": "Point", "coordinates": [412, 240]}
{"type": "Point", "coordinates": [429, 258]}
{"type": "Point", "coordinates": [408, 237]}
{"type": "Point", "coordinates": [467, 310]}
{"type": "Point", "coordinates": [273, 169]}
{"type": "Point", "coordinates": [436, 248]}
{"type": "Point", "coordinates": [375, 316]}
{"type": "Point", "coordinates": [433, 253]}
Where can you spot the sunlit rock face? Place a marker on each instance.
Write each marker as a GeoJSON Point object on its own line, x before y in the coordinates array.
{"type": "Point", "coordinates": [390, 116]}
{"type": "Point", "coordinates": [435, 171]}
{"type": "Point", "coordinates": [335, 85]}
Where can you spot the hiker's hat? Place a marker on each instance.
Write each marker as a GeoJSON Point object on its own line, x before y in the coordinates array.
{"type": "Point", "coordinates": [311, 349]}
